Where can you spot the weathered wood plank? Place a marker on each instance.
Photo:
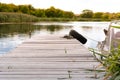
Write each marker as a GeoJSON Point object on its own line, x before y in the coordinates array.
{"type": "Point", "coordinates": [54, 59]}
{"type": "Point", "coordinates": [52, 42]}
{"type": "Point", "coordinates": [37, 65]}
{"type": "Point", "coordinates": [48, 58]}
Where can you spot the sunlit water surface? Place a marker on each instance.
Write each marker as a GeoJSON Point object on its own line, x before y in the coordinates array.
{"type": "Point", "coordinates": [11, 35]}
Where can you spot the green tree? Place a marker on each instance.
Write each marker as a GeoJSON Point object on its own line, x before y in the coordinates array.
{"type": "Point", "coordinates": [105, 16]}
{"type": "Point", "coordinates": [59, 13]}
{"type": "Point", "coordinates": [53, 12]}
{"type": "Point", "coordinates": [40, 13]}
{"type": "Point", "coordinates": [112, 16]}
{"type": "Point", "coordinates": [68, 14]}
{"type": "Point", "coordinates": [118, 15]}
{"type": "Point", "coordinates": [24, 9]}
{"type": "Point", "coordinates": [31, 9]}
{"type": "Point", "coordinates": [86, 13]}
{"type": "Point", "coordinates": [4, 8]}
{"type": "Point", "coordinates": [98, 15]}
{"type": "Point", "coordinates": [12, 8]}
{"type": "Point", "coordinates": [50, 12]}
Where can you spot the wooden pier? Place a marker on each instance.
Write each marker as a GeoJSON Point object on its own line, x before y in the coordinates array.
{"type": "Point", "coordinates": [49, 58]}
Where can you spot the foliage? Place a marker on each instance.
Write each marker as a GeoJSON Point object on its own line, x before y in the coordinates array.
{"type": "Point", "coordinates": [111, 62]}
{"type": "Point", "coordinates": [87, 14]}
{"type": "Point", "coordinates": [52, 12]}
{"type": "Point", "coordinates": [16, 17]}
{"type": "Point", "coordinates": [28, 9]}
{"type": "Point", "coordinates": [56, 19]}
{"type": "Point", "coordinates": [98, 15]}
{"type": "Point", "coordinates": [39, 13]}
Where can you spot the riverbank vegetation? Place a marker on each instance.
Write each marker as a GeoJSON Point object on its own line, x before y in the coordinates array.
{"type": "Point", "coordinates": [16, 17]}
{"type": "Point", "coordinates": [27, 13]}
{"type": "Point", "coordinates": [111, 63]}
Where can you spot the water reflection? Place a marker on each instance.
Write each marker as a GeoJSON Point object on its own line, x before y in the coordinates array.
{"type": "Point", "coordinates": [10, 30]}
{"type": "Point", "coordinates": [86, 28]}
{"type": "Point", "coordinates": [13, 34]}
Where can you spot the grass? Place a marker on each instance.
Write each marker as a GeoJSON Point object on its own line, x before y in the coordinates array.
{"type": "Point", "coordinates": [111, 63]}
{"type": "Point", "coordinates": [12, 17]}
{"type": "Point", "coordinates": [56, 19]}
{"type": "Point", "coordinates": [16, 17]}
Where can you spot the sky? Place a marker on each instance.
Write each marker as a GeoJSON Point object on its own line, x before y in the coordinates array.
{"type": "Point", "coordinates": [76, 6]}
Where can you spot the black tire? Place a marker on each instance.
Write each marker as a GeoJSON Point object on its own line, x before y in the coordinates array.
{"type": "Point", "coordinates": [78, 36]}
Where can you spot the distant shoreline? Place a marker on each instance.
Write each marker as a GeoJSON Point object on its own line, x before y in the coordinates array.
{"type": "Point", "coordinates": [10, 18]}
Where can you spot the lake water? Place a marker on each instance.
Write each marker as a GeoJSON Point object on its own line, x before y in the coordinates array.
{"type": "Point", "coordinates": [11, 35]}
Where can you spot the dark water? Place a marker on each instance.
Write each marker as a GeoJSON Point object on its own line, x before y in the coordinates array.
{"type": "Point", "coordinates": [13, 34]}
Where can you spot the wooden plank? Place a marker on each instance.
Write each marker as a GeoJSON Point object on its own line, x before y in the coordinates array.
{"type": "Point", "coordinates": [54, 59]}
{"type": "Point", "coordinates": [56, 77]}
{"type": "Point", "coordinates": [48, 58]}
{"type": "Point", "coordinates": [37, 65]}
{"type": "Point", "coordinates": [52, 42]}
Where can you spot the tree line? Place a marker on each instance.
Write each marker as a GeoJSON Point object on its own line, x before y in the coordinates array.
{"type": "Point", "coordinates": [53, 12]}
{"type": "Point", "coordinates": [29, 9]}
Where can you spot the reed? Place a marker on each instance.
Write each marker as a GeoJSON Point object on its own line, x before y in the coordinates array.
{"type": "Point", "coordinates": [111, 63]}
{"type": "Point", "coordinates": [16, 17]}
